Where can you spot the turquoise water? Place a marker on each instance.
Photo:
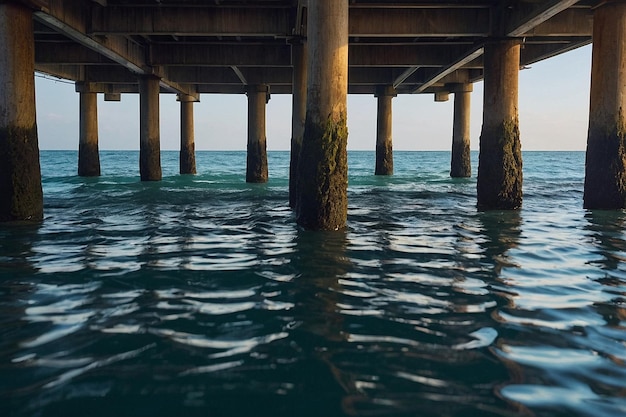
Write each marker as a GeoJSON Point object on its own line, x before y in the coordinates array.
{"type": "Point", "coordinates": [199, 296]}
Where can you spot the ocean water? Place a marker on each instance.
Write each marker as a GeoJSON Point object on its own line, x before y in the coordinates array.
{"type": "Point", "coordinates": [199, 296]}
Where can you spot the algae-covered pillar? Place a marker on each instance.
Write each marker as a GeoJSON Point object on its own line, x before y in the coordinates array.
{"type": "Point", "coordinates": [187, 159]}
{"type": "Point", "coordinates": [299, 63]}
{"type": "Point", "coordinates": [21, 195]}
{"type": "Point", "coordinates": [384, 144]}
{"type": "Point", "coordinates": [322, 201]}
{"type": "Point", "coordinates": [88, 154]}
{"type": "Point", "coordinates": [500, 159]}
{"type": "Point", "coordinates": [605, 167]}
{"type": "Point", "coordinates": [149, 134]}
{"type": "Point", "coordinates": [460, 165]}
{"type": "Point", "coordinates": [256, 165]}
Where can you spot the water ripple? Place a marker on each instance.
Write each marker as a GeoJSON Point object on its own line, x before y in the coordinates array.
{"type": "Point", "coordinates": [189, 295]}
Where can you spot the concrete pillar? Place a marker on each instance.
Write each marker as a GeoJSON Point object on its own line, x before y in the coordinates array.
{"type": "Point", "coordinates": [299, 63]}
{"type": "Point", "coordinates": [256, 166]}
{"type": "Point", "coordinates": [461, 165]}
{"type": "Point", "coordinates": [500, 159]}
{"type": "Point", "coordinates": [384, 144]}
{"type": "Point", "coordinates": [149, 134]}
{"type": "Point", "coordinates": [187, 143]}
{"type": "Point", "coordinates": [323, 170]}
{"type": "Point", "coordinates": [21, 196]}
{"type": "Point", "coordinates": [605, 172]}
{"type": "Point", "coordinates": [88, 154]}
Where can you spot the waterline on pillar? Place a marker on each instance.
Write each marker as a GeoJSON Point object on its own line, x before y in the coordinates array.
{"type": "Point", "coordinates": [20, 175]}
{"type": "Point", "coordinates": [323, 176]}
{"type": "Point", "coordinates": [500, 173]}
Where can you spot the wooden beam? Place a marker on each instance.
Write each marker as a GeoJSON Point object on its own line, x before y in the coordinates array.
{"type": "Point", "coordinates": [521, 25]}
{"type": "Point", "coordinates": [223, 21]}
{"type": "Point", "coordinates": [69, 19]}
{"type": "Point", "coordinates": [130, 57]}
{"type": "Point", "coordinates": [402, 77]}
{"type": "Point", "coordinates": [405, 55]}
{"type": "Point", "coordinates": [73, 53]}
{"type": "Point", "coordinates": [222, 55]}
{"type": "Point", "coordinates": [239, 74]}
{"type": "Point", "coordinates": [67, 72]}
{"type": "Point", "coordinates": [539, 52]}
{"type": "Point", "coordinates": [470, 56]}
{"type": "Point", "coordinates": [434, 22]}
{"type": "Point", "coordinates": [570, 22]}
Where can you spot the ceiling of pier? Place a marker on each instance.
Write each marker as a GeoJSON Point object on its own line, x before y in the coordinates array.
{"type": "Point", "coordinates": [221, 46]}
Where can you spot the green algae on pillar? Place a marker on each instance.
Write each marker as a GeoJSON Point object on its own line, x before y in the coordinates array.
{"type": "Point", "coordinates": [299, 62]}
{"type": "Point", "coordinates": [187, 158]}
{"type": "Point", "coordinates": [384, 141]}
{"type": "Point", "coordinates": [605, 166]}
{"type": "Point", "coordinates": [460, 165]}
{"type": "Point", "coordinates": [322, 201]}
{"type": "Point", "coordinates": [256, 161]}
{"type": "Point", "coordinates": [88, 153]}
{"type": "Point", "coordinates": [20, 174]}
{"type": "Point", "coordinates": [500, 158]}
{"type": "Point", "coordinates": [150, 139]}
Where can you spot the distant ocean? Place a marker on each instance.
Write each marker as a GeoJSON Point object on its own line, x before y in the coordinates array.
{"type": "Point", "coordinates": [199, 295]}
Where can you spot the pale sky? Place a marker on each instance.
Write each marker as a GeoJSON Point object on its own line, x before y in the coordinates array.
{"type": "Point", "coordinates": [553, 110]}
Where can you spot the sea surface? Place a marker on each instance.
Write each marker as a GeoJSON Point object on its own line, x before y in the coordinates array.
{"type": "Point", "coordinates": [199, 295]}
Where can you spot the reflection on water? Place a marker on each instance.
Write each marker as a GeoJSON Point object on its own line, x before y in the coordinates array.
{"type": "Point", "coordinates": [199, 296]}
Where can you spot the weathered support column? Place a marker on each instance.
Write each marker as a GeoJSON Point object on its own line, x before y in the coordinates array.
{"type": "Point", "coordinates": [384, 143]}
{"type": "Point", "coordinates": [605, 167]}
{"type": "Point", "coordinates": [460, 165]}
{"type": "Point", "coordinates": [256, 166]}
{"type": "Point", "coordinates": [150, 139]}
{"type": "Point", "coordinates": [21, 196]}
{"type": "Point", "coordinates": [187, 143]}
{"type": "Point", "coordinates": [88, 154]}
{"type": "Point", "coordinates": [500, 159]}
{"type": "Point", "coordinates": [323, 170]}
{"type": "Point", "coordinates": [299, 62]}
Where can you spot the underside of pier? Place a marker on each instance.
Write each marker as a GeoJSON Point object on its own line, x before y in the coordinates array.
{"type": "Point", "coordinates": [222, 46]}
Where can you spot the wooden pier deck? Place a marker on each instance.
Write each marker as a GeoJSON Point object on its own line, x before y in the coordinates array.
{"type": "Point", "coordinates": [221, 46]}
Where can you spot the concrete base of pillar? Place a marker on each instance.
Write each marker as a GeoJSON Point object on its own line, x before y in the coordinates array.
{"type": "Point", "coordinates": [256, 171]}
{"type": "Point", "coordinates": [384, 158]}
{"type": "Point", "coordinates": [605, 174]}
{"type": "Point", "coordinates": [256, 163]}
{"type": "Point", "coordinates": [188, 159]}
{"type": "Point", "coordinates": [500, 168]}
{"type": "Point", "coordinates": [384, 142]}
{"type": "Point", "coordinates": [20, 175]}
{"type": "Point", "coordinates": [298, 117]}
{"type": "Point", "coordinates": [296, 149]}
{"type": "Point", "coordinates": [88, 160]}
{"type": "Point", "coordinates": [500, 174]}
{"type": "Point", "coordinates": [323, 168]}
{"type": "Point", "coordinates": [323, 176]}
{"type": "Point", "coordinates": [460, 165]}
{"type": "Point", "coordinates": [150, 164]}
{"type": "Point", "coordinates": [150, 140]}
{"type": "Point", "coordinates": [605, 167]}
{"type": "Point", "coordinates": [88, 155]}
{"type": "Point", "coordinates": [21, 196]}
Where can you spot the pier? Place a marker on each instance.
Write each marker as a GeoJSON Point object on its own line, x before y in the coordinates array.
{"type": "Point", "coordinates": [319, 51]}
